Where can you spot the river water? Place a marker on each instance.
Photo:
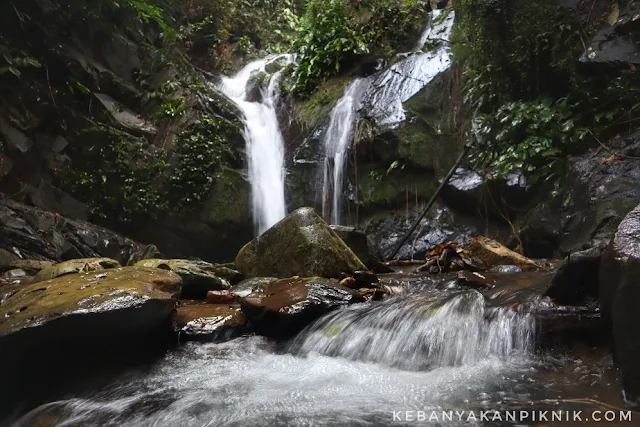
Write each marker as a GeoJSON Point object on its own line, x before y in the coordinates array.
{"type": "Point", "coordinates": [434, 348]}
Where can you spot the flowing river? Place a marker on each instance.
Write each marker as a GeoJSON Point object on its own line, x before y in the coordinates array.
{"type": "Point", "coordinates": [435, 349]}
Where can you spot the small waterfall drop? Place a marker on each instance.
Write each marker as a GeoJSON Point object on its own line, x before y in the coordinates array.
{"type": "Point", "coordinates": [337, 141]}
{"type": "Point", "coordinates": [265, 146]}
{"type": "Point", "coordinates": [419, 332]}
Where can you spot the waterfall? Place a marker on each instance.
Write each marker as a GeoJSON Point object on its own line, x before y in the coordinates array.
{"type": "Point", "coordinates": [419, 332]}
{"type": "Point", "coordinates": [264, 143]}
{"type": "Point", "coordinates": [337, 141]}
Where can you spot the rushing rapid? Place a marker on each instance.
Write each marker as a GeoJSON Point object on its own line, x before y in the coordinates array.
{"type": "Point", "coordinates": [352, 367]}
{"type": "Point", "coordinates": [421, 332]}
{"type": "Point", "coordinates": [265, 146]}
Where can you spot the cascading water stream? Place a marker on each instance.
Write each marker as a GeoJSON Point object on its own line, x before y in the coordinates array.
{"type": "Point", "coordinates": [421, 332]}
{"type": "Point", "coordinates": [337, 141]}
{"type": "Point", "coordinates": [265, 146]}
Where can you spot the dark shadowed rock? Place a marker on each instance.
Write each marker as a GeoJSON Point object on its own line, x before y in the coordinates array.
{"type": "Point", "coordinates": [208, 322]}
{"type": "Point", "coordinates": [599, 194]}
{"type": "Point", "coordinates": [357, 242]}
{"type": "Point", "coordinates": [48, 329]}
{"type": "Point", "coordinates": [626, 333]}
{"type": "Point", "coordinates": [32, 233]}
{"type": "Point", "coordinates": [625, 245]}
{"type": "Point", "coordinates": [302, 244]}
{"type": "Point", "coordinates": [286, 306]}
{"type": "Point", "coordinates": [577, 278]}
{"type": "Point", "coordinates": [198, 277]}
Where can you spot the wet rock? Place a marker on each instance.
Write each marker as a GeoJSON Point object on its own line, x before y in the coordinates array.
{"type": "Point", "coordinates": [600, 193]}
{"type": "Point", "coordinates": [505, 269]}
{"type": "Point", "coordinates": [82, 265]}
{"type": "Point", "coordinates": [248, 286]}
{"type": "Point", "coordinates": [90, 316]}
{"type": "Point", "coordinates": [209, 322]}
{"type": "Point", "coordinates": [493, 197]}
{"type": "Point", "coordinates": [385, 231]}
{"type": "Point", "coordinates": [303, 245]}
{"type": "Point", "coordinates": [626, 335]}
{"type": "Point", "coordinates": [286, 306]}
{"type": "Point", "coordinates": [477, 280]}
{"type": "Point", "coordinates": [613, 267]}
{"type": "Point", "coordinates": [198, 277]}
{"type": "Point", "coordinates": [14, 274]}
{"type": "Point", "coordinates": [31, 233]}
{"type": "Point", "coordinates": [617, 43]}
{"type": "Point", "coordinates": [577, 278]}
{"type": "Point", "coordinates": [30, 266]}
{"type": "Point", "coordinates": [357, 242]}
{"type": "Point", "coordinates": [222, 297]}
{"type": "Point", "coordinates": [486, 253]}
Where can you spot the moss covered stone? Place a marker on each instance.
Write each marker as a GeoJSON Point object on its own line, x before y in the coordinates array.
{"type": "Point", "coordinates": [75, 266]}
{"type": "Point", "coordinates": [79, 295]}
{"type": "Point", "coordinates": [198, 277]}
{"type": "Point", "coordinates": [302, 244]}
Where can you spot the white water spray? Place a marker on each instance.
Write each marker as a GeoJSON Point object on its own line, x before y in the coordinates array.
{"type": "Point", "coordinates": [265, 146]}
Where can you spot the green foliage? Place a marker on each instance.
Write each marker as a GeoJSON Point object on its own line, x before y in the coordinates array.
{"type": "Point", "coordinates": [199, 153]}
{"type": "Point", "coordinates": [121, 181]}
{"type": "Point", "coordinates": [534, 137]}
{"type": "Point", "coordinates": [523, 81]}
{"type": "Point", "coordinates": [328, 36]}
{"type": "Point", "coordinates": [333, 34]}
{"type": "Point", "coordinates": [114, 175]}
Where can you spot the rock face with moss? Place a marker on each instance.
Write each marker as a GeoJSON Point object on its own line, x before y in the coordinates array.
{"type": "Point", "coordinates": [198, 277]}
{"type": "Point", "coordinates": [84, 265]}
{"type": "Point", "coordinates": [78, 317]}
{"type": "Point", "coordinates": [284, 307]}
{"type": "Point", "coordinates": [303, 245]}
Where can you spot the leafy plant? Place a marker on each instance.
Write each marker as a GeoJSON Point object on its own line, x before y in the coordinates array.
{"type": "Point", "coordinates": [534, 137]}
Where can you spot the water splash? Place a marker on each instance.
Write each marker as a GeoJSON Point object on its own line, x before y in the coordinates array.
{"type": "Point", "coordinates": [265, 146]}
{"type": "Point", "coordinates": [337, 141]}
{"type": "Point", "coordinates": [421, 332]}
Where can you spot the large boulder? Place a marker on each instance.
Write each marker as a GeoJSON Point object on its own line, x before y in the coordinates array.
{"type": "Point", "coordinates": [198, 277]}
{"type": "Point", "coordinates": [208, 322]}
{"type": "Point", "coordinates": [613, 268]}
{"type": "Point", "coordinates": [619, 298]}
{"type": "Point", "coordinates": [302, 244]}
{"type": "Point", "coordinates": [286, 306]}
{"type": "Point", "coordinates": [83, 265]}
{"type": "Point", "coordinates": [357, 242]}
{"type": "Point", "coordinates": [626, 334]}
{"type": "Point", "coordinates": [577, 278]}
{"type": "Point", "coordinates": [50, 330]}
{"type": "Point", "coordinates": [601, 189]}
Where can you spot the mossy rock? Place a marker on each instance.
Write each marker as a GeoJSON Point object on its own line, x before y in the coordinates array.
{"type": "Point", "coordinates": [61, 329]}
{"type": "Point", "coordinates": [30, 266]}
{"type": "Point", "coordinates": [302, 244]}
{"type": "Point", "coordinates": [81, 265]}
{"type": "Point", "coordinates": [81, 294]}
{"type": "Point", "coordinates": [198, 277]}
